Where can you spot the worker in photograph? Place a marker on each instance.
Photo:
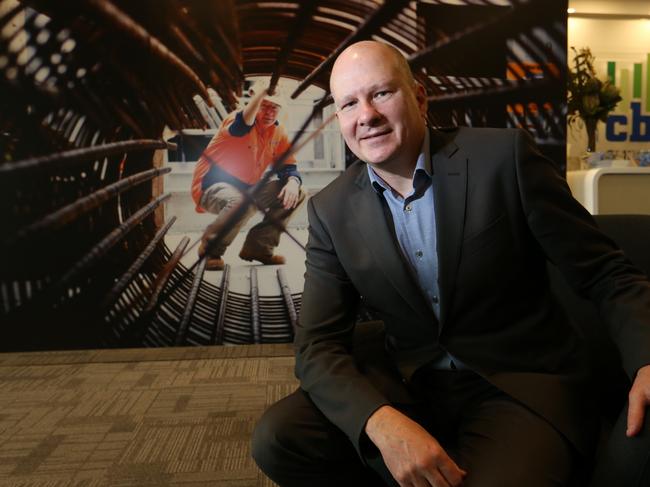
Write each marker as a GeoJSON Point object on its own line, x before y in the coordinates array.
{"type": "Point", "coordinates": [245, 145]}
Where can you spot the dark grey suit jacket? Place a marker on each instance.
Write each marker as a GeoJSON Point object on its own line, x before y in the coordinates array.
{"type": "Point", "coordinates": [502, 210]}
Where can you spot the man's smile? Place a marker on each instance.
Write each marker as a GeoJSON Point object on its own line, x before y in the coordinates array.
{"type": "Point", "coordinates": [376, 136]}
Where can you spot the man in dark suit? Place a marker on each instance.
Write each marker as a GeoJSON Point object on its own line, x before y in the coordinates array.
{"type": "Point", "coordinates": [445, 237]}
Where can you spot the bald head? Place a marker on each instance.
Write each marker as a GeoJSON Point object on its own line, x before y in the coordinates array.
{"type": "Point", "coordinates": [372, 49]}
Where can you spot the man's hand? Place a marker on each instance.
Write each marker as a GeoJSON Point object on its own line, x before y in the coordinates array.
{"type": "Point", "coordinates": [289, 193]}
{"type": "Point", "coordinates": [639, 399]}
{"type": "Point", "coordinates": [413, 457]}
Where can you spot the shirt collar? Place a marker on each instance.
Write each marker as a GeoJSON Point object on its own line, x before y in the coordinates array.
{"type": "Point", "coordinates": [422, 165]}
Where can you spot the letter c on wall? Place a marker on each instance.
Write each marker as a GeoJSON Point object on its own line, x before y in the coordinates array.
{"type": "Point", "coordinates": [610, 131]}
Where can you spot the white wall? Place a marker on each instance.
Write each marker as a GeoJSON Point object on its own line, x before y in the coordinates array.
{"type": "Point", "coordinates": [641, 7]}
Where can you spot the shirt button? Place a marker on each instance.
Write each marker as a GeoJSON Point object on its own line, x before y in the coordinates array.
{"type": "Point", "coordinates": [435, 299]}
{"type": "Point", "coordinates": [408, 208]}
{"type": "Point", "coordinates": [419, 254]}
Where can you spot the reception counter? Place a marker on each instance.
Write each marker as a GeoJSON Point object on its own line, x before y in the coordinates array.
{"type": "Point", "coordinates": [612, 190]}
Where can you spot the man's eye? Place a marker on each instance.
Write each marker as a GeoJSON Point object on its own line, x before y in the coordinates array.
{"type": "Point", "coordinates": [348, 106]}
{"type": "Point", "coordinates": [382, 94]}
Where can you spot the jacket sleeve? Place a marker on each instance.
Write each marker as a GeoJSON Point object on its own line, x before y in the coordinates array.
{"type": "Point", "coordinates": [325, 363]}
{"type": "Point", "coordinates": [591, 263]}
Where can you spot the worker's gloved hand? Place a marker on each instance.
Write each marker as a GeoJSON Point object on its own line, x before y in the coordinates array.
{"type": "Point", "coordinates": [290, 193]}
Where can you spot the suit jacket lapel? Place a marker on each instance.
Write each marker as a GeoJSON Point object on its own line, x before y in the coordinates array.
{"type": "Point", "coordinates": [450, 191]}
{"type": "Point", "coordinates": [378, 238]}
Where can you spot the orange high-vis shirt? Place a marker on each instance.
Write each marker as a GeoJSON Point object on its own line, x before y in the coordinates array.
{"type": "Point", "coordinates": [244, 157]}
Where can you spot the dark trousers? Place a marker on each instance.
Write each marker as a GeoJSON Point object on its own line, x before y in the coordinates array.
{"type": "Point", "coordinates": [623, 461]}
{"type": "Point", "coordinates": [497, 440]}
{"type": "Point", "coordinates": [221, 198]}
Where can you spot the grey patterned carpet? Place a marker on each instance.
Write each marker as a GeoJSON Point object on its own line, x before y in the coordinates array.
{"type": "Point", "coordinates": [137, 417]}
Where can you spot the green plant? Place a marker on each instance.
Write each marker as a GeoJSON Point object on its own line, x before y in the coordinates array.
{"type": "Point", "coordinates": [589, 97]}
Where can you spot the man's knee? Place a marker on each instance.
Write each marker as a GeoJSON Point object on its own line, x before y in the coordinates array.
{"type": "Point", "coordinates": [266, 441]}
{"type": "Point", "coordinates": [262, 440]}
{"type": "Point", "coordinates": [220, 196]}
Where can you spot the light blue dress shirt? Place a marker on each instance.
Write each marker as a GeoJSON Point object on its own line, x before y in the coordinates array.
{"type": "Point", "coordinates": [414, 220]}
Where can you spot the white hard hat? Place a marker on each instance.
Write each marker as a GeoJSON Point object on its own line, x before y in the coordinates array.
{"type": "Point", "coordinates": [277, 98]}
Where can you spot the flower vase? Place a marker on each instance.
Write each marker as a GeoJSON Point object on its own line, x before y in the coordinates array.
{"type": "Point", "coordinates": [590, 158]}
{"type": "Point", "coordinates": [591, 124]}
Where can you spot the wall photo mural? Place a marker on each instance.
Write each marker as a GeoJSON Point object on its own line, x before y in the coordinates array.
{"type": "Point", "coordinates": [117, 123]}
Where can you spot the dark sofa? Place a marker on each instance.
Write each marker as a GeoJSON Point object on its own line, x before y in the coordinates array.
{"type": "Point", "coordinates": [619, 462]}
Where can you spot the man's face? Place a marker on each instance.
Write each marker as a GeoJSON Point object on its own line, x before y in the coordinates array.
{"type": "Point", "coordinates": [267, 114]}
{"type": "Point", "coordinates": [379, 107]}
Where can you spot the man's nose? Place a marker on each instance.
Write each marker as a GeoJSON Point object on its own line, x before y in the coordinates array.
{"type": "Point", "coordinates": [368, 114]}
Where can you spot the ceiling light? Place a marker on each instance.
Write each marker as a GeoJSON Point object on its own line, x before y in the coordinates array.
{"type": "Point", "coordinates": [571, 10]}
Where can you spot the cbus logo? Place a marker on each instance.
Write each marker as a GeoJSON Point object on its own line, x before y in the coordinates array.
{"type": "Point", "coordinates": [634, 126]}
{"type": "Point", "coordinates": [617, 128]}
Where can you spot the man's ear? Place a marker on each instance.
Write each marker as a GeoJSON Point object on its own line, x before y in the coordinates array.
{"type": "Point", "coordinates": [331, 98]}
